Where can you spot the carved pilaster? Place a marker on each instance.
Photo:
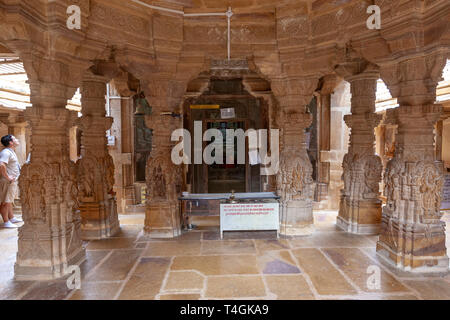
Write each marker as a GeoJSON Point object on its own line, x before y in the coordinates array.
{"type": "Point", "coordinates": [294, 180]}
{"type": "Point", "coordinates": [164, 178]}
{"type": "Point", "coordinates": [360, 206]}
{"type": "Point", "coordinates": [413, 236]}
{"type": "Point", "coordinates": [96, 167]}
{"type": "Point", "coordinates": [49, 240]}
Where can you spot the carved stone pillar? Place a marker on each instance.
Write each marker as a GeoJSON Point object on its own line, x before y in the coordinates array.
{"type": "Point", "coordinates": [360, 206]}
{"type": "Point", "coordinates": [326, 88]}
{"type": "Point", "coordinates": [49, 240]}
{"type": "Point", "coordinates": [439, 131]}
{"type": "Point", "coordinates": [413, 236]}
{"type": "Point", "coordinates": [294, 181]}
{"type": "Point", "coordinates": [96, 167]}
{"type": "Point", "coordinates": [164, 178]}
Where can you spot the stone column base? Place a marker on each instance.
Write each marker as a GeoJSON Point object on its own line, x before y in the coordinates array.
{"type": "Point", "coordinates": [363, 217]}
{"type": "Point", "coordinates": [356, 228]}
{"type": "Point", "coordinates": [423, 265]}
{"type": "Point", "coordinates": [162, 220]}
{"type": "Point", "coordinates": [99, 221]}
{"type": "Point", "coordinates": [297, 218]}
{"type": "Point", "coordinates": [43, 257]}
{"type": "Point", "coordinates": [416, 249]}
{"type": "Point", "coordinates": [48, 272]}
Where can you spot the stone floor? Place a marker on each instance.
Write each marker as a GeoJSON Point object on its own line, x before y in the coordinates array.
{"type": "Point", "coordinates": [328, 265]}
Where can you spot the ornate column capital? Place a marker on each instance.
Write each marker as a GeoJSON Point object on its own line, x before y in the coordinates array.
{"type": "Point", "coordinates": [357, 68]}
{"type": "Point", "coordinates": [413, 80]}
{"type": "Point", "coordinates": [328, 83]}
{"type": "Point", "coordinates": [52, 80]}
{"type": "Point", "coordinates": [294, 94]}
{"type": "Point", "coordinates": [13, 119]}
{"type": "Point", "coordinates": [93, 92]}
{"type": "Point", "coordinates": [90, 76]}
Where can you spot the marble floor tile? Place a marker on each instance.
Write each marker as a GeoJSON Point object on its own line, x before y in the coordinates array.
{"type": "Point", "coordinates": [180, 296]}
{"type": "Point", "coordinates": [325, 277]}
{"type": "Point", "coordinates": [172, 248]}
{"type": "Point", "coordinates": [355, 264]}
{"type": "Point", "coordinates": [48, 290]}
{"type": "Point", "coordinates": [382, 296]}
{"type": "Point", "coordinates": [235, 287]}
{"type": "Point", "coordinates": [289, 287]}
{"type": "Point", "coordinates": [185, 280]}
{"type": "Point", "coordinates": [185, 236]}
{"type": "Point", "coordinates": [277, 262]}
{"type": "Point", "coordinates": [431, 289]}
{"type": "Point", "coordinates": [132, 219]}
{"type": "Point", "coordinates": [228, 247]}
{"type": "Point", "coordinates": [11, 289]}
{"type": "Point", "coordinates": [146, 281]}
{"type": "Point", "coordinates": [96, 291]}
{"type": "Point", "coordinates": [211, 235]}
{"type": "Point", "coordinates": [239, 235]}
{"type": "Point", "coordinates": [93, 259]}
{"type": "Point", "coordinates": [271, 245]}
{"type": "Point", "coordinates": [331, 240]}
{"type": "Point", "coordinates": [116, 267]}
{"type": "Point", "coordinates": [111, 243]}
{"type": "Point", "coordinates": [128, 231]}
{"type": "Point", "coordinates": [217, 265]}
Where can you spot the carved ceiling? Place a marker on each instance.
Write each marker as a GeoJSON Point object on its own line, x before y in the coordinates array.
{"type": "Point", "coordinates": [314, 5]}
{"type": "Point", "coordinates": [281, 38]}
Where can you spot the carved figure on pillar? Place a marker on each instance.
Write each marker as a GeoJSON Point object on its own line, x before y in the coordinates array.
{"type": "Point", "coordinates": [50, 239]}
{"type": "Point", "coordinates": [164, 179]}
{"type": "Point", "coordinates": [294, 180]}
{"type": "Point", "coordinates": [360, 206]}
{"type": "Point", "coordinates": [96, 167]}
{"type": "Point", "coordinates": [413, 235]}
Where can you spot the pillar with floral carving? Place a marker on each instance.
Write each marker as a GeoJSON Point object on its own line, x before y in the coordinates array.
{"type": "Point", "coordinates": [294, 180]}
{"type": "Point", "coordinates": [96, 167]}
{"type": "Point", "coordinates": [164, 178]}
{"type": "Point", "coordinates": [413, 235]}
{"type": "Point", "coordinates": [360, 206]}
{"type": "Point", "coordinates": [49, 241]}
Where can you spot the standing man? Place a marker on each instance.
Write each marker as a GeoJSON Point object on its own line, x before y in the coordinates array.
{"type": "Point", "coordinates": [9, 175]}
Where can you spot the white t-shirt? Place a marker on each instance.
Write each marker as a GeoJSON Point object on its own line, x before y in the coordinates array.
{"type": "Point", "coordinates": [9, 157]}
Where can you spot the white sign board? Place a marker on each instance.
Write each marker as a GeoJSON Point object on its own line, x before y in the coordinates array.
{"type": "Point", "coordinates": [249, 217]}
{"type": "Point", "coordinates": [111, 140]}
{"type": "Point", "coordinates": [228, 113]}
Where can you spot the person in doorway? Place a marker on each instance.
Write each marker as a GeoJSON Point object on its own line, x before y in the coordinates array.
{"type": "Point", "coordinates": [9, 175]}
